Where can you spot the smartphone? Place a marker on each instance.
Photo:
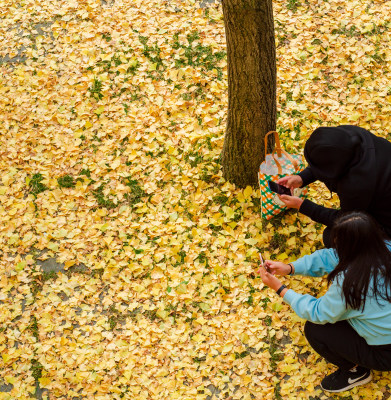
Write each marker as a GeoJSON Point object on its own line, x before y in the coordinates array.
{"type": "Point", "coordinates": [263, 262]}
{"type": "Point", "coordinates": [279, 189]}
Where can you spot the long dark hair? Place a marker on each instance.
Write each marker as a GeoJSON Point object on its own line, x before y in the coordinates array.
{"type": "Point", "coordinates": [363, 256]}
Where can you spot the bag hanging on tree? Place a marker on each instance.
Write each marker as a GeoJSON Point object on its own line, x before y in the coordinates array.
{"type": "Point", "coordinates": [277, 164]}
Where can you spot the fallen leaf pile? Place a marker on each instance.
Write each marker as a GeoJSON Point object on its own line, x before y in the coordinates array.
{"type": "Point", "coordinates": [112, 122]}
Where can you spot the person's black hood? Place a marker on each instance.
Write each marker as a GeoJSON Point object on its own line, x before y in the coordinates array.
{"type": "Point", "coordinates": [331, 152]}
{"type": "Point", "coordinates": [342, 157]}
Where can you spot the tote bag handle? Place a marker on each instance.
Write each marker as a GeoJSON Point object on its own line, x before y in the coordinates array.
{"type": "Point", "coordinates": [277, 149]}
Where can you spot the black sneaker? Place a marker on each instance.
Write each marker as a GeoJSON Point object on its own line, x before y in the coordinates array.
{"type": "Point", "coordinates": [341, 380]}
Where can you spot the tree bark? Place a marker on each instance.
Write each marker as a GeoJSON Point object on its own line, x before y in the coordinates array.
{"type": "Point", "coordinates": [251, 54]}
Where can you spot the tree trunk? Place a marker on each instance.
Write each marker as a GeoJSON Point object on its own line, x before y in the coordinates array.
{"type": "Point", "coordinates": [251, 53]}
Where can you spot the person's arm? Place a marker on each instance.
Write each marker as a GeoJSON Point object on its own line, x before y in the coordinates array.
{"type": "Point", "coordinates": [307, 176]}
{"type": "Point", "coordinates": [317, 213]}
{"type": "Point", "coordinates": [354, 199]}
{"type": "Point", "coordinates": [319, 263]}
{"type": "Point", "coordinates": [329, 308]}
{"type": "Point", "coordinates": [271, 281]}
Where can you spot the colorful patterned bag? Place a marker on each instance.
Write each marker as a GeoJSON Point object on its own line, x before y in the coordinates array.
{"type": "Point", "coordinates": [277, 164]}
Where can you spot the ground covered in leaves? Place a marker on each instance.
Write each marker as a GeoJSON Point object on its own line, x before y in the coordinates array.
{"type": "Point", "coordinates": [112, 122]}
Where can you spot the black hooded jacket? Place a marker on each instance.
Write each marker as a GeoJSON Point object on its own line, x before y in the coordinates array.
{"type": "Point", "coordinates": [355, 164]}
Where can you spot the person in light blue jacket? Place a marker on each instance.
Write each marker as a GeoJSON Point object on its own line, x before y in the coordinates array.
{"type": "Point", "coordinates": [350, 326]}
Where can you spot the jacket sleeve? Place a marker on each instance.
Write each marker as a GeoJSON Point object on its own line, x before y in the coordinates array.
{"type": "Point", "coordinates": [307, 176]}
{"type": "Point", "coordinates": [317, 213]}
{"type": "Point", "coordinates": [319, 263]}
{"type": "Point", "coordinates": [329, 308]}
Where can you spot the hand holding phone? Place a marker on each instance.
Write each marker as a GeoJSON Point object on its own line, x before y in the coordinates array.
{"type": "Point", "coordinates": [277, 268]}
{"type": "Point", "coordinates": [263, 263]}
{"type": "Point", "coordinates": [279, 189]}
{"type": "Point", "coordinates": [291, 201]}
{"type": "Point", "coordinates": [291, 181]}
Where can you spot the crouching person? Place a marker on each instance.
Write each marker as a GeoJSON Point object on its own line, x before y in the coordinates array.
{"type": "Point", "coordinates": [350, 326]}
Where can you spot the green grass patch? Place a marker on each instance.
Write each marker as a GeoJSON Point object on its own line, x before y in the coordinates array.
{"type": "Point", "coordinates": [101, 199]}
{"type": "Point", "coordinates": [193, 158]}
{"type": "Point", "coordinates": [136, 191]}
{"type": "Point", "coordinates": [196, 54]}
{"type": "Point", "coordinates": [36, 185]}
{"type": "Point", "coordinates": [36, 369]}
{"type": "Point", "coordinates": [106, 36]}
{"type": "Point", "coordinates": [66, 181]}
{"type": "Point", "coordinates": [241, 355]}
{"type": "Point", "coordinates": [96, 89]}
{"type": "Point", "coordinates": [33, 327]}
{"type": "Point", "coordinates": [46, 276]}
{"type": "Point", "coordinates": [293, 5]}
{"type": "Point", "coordinates": [152, 53]}
{"type": "Point", "coordinates": [85, 172]}
{"type": "Point", "coordinates": [349, 32]}
{"type": "Point", "coordinates": [151, 315]}
{"type": "Point", "coordinates": [115, 317]}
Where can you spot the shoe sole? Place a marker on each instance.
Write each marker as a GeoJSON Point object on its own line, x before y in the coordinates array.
{"type": "Point", "coordinates": [363, 382]}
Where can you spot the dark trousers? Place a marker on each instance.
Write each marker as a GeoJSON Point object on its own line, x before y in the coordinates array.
{"type": "Point", "coordinates": [342, 346]}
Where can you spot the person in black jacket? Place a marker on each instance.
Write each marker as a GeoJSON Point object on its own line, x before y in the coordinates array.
{"type": "Point", "coordinates": [352, 162]}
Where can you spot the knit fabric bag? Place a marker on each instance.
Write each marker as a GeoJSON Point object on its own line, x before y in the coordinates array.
{"type": "Point", "coordinates": [277, 164]}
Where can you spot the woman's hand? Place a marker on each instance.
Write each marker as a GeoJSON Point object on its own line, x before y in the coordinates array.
{"type": "Point", "coordinates": [277, 268]}
{"type": "Point", "coordinates": [291, 181]}
{"type": "Point", "coordinates": [291, 201]}
{"type": "Point", "coordinates": [269, 279]}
